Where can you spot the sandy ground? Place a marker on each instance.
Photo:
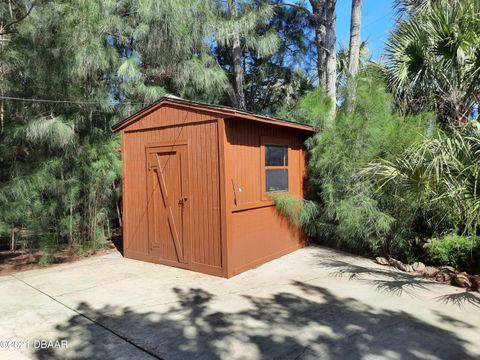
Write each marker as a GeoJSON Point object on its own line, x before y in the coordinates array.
{"type": "Point", "coordinates": [12, 262]}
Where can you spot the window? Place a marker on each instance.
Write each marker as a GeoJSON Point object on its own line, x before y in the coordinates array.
{"type": "Point", "coordinates": [276, 167]}
{"type": "Point", "coordinates": [276, 179]}
{"type": "Point", "coordinates": [276, 155]}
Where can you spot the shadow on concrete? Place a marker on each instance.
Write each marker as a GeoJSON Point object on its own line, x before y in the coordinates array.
{"type": "Point", "coordinates": [117, 241]}
{"type": "Point", "coordinates": [460, 298]}
{"type": "Point", "coordinates": [453, 321]}
{"type": "Point", "coordinates": [390, 280]}
{"type": "Point", "coordinates": [309, 322]}
{"type": "Point", "coordinates": [387, 280]}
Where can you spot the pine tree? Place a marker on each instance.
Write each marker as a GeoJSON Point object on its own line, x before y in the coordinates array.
{"type": "Point", "coordinates": [83, 65]}
{"type": "Point", "coordinates": [322, 17]}
{"type": "Point", "coordinates": [61, 164]}
{"type": "Point", "coordinates": [237, 30]}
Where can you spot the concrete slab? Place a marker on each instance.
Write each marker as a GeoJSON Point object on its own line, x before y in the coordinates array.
{"type": "Point", "coordinates": [315, 303]}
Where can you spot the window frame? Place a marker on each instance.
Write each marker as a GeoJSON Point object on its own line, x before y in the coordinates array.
{"type": "Point", "coordinates": [267, 140]}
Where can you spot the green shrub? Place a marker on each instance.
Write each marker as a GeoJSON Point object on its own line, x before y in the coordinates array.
{"type": "Point", "coordinates": [352, 214]}
{"type": "Point", "coordinates": [48, 244]}
{"type": "Point", "coordinates": [100, 244]}
{"type": "Point", "coordinates": [46, 259]}
{"type": "Point", "coordinates": [455, 250]}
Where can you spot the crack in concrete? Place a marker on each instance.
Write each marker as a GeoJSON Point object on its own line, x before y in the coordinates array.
{"type": "Point", "coordinates": [111, 331]}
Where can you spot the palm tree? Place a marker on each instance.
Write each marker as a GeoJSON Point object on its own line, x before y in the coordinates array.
{"type": "Point", "coordinates": [442, 172]}
{"type": "Point", "coordinates": [408, 7]}
{"type": "Point", "coordinates": [343, 61]}
{"type": "Point", "coordinates": [354, 48]}
{"type": "Point", "coordinates": [433, 58]}
{"type": "Point", "coordinates": [330, 20]}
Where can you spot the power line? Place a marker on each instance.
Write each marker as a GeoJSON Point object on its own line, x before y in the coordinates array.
{"type": "Point", "coordinates": [67, 101]}
{"type": "Point", "coordinates": [373, 21]}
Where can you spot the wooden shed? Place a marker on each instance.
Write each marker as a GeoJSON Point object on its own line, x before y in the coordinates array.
{"type": "Point", "coordinates": [195, 183]}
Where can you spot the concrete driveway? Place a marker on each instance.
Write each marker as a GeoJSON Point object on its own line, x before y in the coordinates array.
{"type": "Point", "coordinates": [315, 303]}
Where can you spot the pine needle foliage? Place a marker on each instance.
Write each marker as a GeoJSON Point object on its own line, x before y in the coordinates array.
{"type": "Point", "coordinates": [352, 214]}
{"type": "Point", "coordinates": [300, 212]}
{"type": "Point", "coordinates": [50, 132]}
{"type": "Point", "coordinates": [246, 25]}
{"type": "Point", "coordinates": [309, 109]}
{"type": "Point", "coordinates": [102, 60]}
{"type": "Point", "coordinates": [60, 169]}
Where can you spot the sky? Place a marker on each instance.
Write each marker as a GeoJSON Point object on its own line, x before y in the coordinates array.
{"type": "Point", "coordinates": [377, 21]}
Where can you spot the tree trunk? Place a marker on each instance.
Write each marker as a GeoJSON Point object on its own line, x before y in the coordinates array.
{"type": "Point", "coordinates": [324, 18]}
{"type": "Point", "coordinates": [321, 54]}
{"type": "Point", "coordinates": [354, 52]}
{"type": "Point", "coordinates": [2, 114]}
{"type": "Point", "coordinates": [2, 74]}
{"type": "Point", "coordinates": [231, 94]}
{"type": "Point", "coordinates": [331, 52]}
{"type": "Point", "coordinates": [70, 227]}
{"type": "Point", "coordinates": [318, 11]}
{"type": "Point", "coordinates": [119, 213]}
{"type": "Point", "coordinates": [12, 240]}
{"type": "Point", "coordinates": [354, 48]}
{"type": "Point", "coordinates": [237, 62]}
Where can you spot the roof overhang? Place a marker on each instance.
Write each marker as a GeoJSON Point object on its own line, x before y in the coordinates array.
{"type": "Point", "coordinates": [219, 110]}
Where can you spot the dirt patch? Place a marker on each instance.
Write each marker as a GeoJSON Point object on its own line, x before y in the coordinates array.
{"type": "Point", "coordinates": [16, 261]}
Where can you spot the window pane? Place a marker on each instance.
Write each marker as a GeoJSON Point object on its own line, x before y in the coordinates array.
{"type": "Point", "coordinates": [276, 155]}
{"type": "Point", "coordinates": [277, 180]}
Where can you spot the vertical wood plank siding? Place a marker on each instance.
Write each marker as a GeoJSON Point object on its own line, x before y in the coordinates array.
{"type": "Point", "coordinates": [231, 225]}
{"type": "Point", "coordinates": [244, 140]}
{"type": "Point", "coordinates": [257, 232]}
{"type": "Point", "coordinates": [199, 130]}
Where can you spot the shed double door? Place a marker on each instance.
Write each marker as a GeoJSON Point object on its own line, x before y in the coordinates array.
{"type": "Point", "coordinates": [168, 204]}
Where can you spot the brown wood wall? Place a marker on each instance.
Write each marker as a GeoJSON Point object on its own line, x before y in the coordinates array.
{"type": "Point", "coordinates": [199, 130]}
{"type": "Point", "coordinates": [257, 233]}
{"type": "Point", "coordinates": [226, 238]}
{"type": "Point", "coordinates": [244, 138]}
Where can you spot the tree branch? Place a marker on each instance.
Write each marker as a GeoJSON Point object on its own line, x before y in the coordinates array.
{"type": "Point", "coordinates": [21, 18]}
{"type": "Point", "coordinates": [296, 6]}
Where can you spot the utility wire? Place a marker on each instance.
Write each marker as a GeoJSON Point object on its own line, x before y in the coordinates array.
{"type": "Point", "coordinates": [374, 21]}
{"type": "Point", "coordinates": [67, 101]}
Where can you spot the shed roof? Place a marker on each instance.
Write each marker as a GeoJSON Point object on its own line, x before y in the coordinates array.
{"type": "Point", "coordinates": [223, 111]}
